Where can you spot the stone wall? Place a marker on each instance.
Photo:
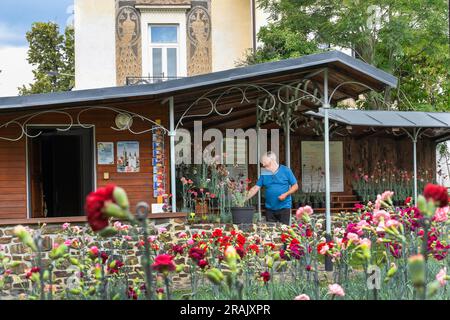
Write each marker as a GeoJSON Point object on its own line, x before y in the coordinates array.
{"type": "Point", "coordinates": [131, 256]}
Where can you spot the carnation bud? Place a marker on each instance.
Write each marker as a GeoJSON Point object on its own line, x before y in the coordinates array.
{"type": "Point", "coordinates": [74, 261]}
{"type": "Point", "coordinates": [108, 232]}
{"type": "Point", "coordinates": [432, 288]}
{"type": "Point", "coordinates": [75, 291]}
{"type": "Point", "coordinates": [391, 272]}
{"type": "Point", "coordinates": [231, 255]}
{"type": "Point", "coordinates": [179, 268]}
{"type": "Point", "coordinates": [282, 265]}
{"type": "Point", "coordinates": [112, 209]}
{"type": "Point", "coordinates": [416, 266]}
{"type": "Point", "coordinates": [58, 252]}
{"type": "Point", "coordinates": [46, 275]}
{"type": "Point", "coordinates": [25, 237]}
{"type": "Point", "coordinates": [269, 262]}
{"type": "Point", "coordinates": [215, 276]}
{"type": "Point", "coordinates": [121, 198]}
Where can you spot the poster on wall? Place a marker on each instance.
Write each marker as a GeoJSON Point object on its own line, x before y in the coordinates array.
{"type": "Point", "coordinates": [105, 153]}
{"type": "Point", "coordinates": [313, 166]}
{"type": "Point", "coordinates": [128, 156]}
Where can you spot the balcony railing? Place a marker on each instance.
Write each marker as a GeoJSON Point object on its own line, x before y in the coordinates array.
{"type": "Point", "coordinates": [131, 81]}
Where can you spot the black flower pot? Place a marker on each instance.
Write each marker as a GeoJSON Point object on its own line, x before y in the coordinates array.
{"type": "Point", "coordinates": [242, 215]}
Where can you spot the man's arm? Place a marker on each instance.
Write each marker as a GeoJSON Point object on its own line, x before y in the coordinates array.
{"type": "Point", "coordinates": [292, 189]}
{"type": "Point", "coordinates": [251, 193]}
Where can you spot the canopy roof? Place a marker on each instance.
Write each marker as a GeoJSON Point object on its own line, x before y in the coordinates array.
{"type": "Point", "coordinates": [436, 123]}
{"type": "Point", "coordinates": [357, 75]}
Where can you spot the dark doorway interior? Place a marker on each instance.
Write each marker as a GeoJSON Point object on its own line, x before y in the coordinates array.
{"type": "Point", "coordinates": [61, 171]}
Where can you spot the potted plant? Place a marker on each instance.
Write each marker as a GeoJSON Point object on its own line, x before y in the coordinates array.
{"type": "Point", "coordinates": [241, 211]}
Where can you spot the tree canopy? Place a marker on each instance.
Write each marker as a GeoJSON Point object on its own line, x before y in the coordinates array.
{"type": "Point", "coordinates": [53, 56]}
{"type": "Point", "coordinates": [407, 38]}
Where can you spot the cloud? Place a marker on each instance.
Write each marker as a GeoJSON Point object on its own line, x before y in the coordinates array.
{"type": "Point", "coordinates": [10, 35]}
{"type": "Point", "coordinates": [15, 70]}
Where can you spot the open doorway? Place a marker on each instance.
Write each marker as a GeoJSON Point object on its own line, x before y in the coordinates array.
{"type": "Point", "coordinates": [61, 171]}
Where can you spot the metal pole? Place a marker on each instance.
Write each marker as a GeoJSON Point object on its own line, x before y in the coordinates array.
{"type": "Point", "coordinates": [415, 165]}
{"type": "Point", "coordinates": [326, 106]}
{"type": "Point", "coordinates": [258, 155]}
{"type": "Point", "coordinates": [287, 133]}
{"type": "Point", "coordinates": [172, 133]}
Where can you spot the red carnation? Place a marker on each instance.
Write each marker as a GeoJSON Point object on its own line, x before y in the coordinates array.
{"type": "Point", "coordinates": [203, 264]}
{"type": "Point", "coordinates": [95, 202]}
{"type": "Point", "coordinates": [408, 201]}
{"type": "Point", "coordinates": [217, 233]}
{"type": "Point", "coordinates": [196, 253]}
{"type": "Point", "coordinates": [177, 249]}
{"type": "Point", "coordinates": [115, 266]}
{"type": "Point", "coordinates": [437, 193]}
{"type": "Point", "coordinates": [164, 263]}
{"type": "Point", "coordinates": [31, 271]}
{"type": "Point", "coordinates": [131, 294]}
{"type": "Point", "coordinates": [266, 276]}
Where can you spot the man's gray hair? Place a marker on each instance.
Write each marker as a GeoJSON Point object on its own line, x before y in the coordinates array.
{"type": "Point", "coordinates": [271, 155]}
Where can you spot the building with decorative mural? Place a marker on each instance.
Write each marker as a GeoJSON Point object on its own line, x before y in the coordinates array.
{"type": "Point", "coordinates": [147, 41]}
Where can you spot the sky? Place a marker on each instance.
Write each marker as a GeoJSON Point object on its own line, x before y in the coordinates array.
{"type": "Point", "coordinates": [16, 17]}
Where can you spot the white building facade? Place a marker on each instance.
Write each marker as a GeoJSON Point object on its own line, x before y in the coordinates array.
{"type": "Point", "coordinates": [154, 40]}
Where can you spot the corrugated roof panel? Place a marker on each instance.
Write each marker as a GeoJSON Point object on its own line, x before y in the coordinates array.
{"type": "Point", "coordinates": [400, 119]}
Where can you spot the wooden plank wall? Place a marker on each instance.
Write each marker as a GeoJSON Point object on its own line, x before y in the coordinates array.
{"type": "Point", "coordinates": [364, 152]}
{"type": "Point", "coordinates": [139, 186]}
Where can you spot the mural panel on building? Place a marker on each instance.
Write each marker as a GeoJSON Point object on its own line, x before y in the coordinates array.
{"type": "Point", "coordinates": [199, 38]}
{"type": "Point", "coordinates": [128, 42]}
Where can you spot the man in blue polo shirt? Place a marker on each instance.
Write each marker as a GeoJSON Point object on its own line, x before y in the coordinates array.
{"type": "Point", "coordinates": [280, 183]}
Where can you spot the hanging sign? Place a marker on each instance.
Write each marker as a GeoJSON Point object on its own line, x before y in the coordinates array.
{"type": "Point", "coordinates": [313, 166]}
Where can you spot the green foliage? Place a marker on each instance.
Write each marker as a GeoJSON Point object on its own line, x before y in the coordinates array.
{"type": "Point", "coordinates": [404, 38]}
{"type": "Point", "coordinates": [50, 52]}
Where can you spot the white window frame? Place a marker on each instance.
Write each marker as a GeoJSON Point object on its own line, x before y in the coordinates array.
{"type": "Point", "coordinates": [164, 47]}
{"type": "Point", "coordinates": [165, 15]}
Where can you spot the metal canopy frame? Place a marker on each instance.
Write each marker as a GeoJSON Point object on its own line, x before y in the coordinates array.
{"type": "Point", "coordinates": [412, 123]}
{"type": "Point", "coordinates": [281, 97]}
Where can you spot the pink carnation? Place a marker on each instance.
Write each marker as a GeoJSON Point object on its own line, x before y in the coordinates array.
{"type": "Point", "coordinates": [392, 223]}
{"type": "Point", "coordinates": [387, 195]}
{"type": "Point", "coordinates": [65, 226]}
{"type": "Point", "coordinates": [302, 297]}
{"type": "Point", "coordinates": [380, 214]}
{"type": "Point", "coordinates": [302, 211]}
{"type": "Point", "coordinates": [324, 249]}
{"type": "Point", "coordinates": [366, 242]}
{"type": "Point", "coordinates": [352, 236]}
{"type": "Point", "coordinates": [335, 289]}
{"type": "Point", "coordinates": [441, 276]}
{"type": "Point", "coordinates": [441, 214]}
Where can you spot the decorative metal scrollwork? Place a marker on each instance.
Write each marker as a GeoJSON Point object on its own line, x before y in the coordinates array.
{"type": "Point", "coordinates": [25, 120]}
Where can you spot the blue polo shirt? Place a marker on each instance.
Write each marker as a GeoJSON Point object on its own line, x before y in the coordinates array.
{"type": "Point", "coordinates": [276, 184]}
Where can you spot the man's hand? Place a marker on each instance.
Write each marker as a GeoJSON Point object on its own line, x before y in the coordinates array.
{"type": "Point", "coordinates": [252, 192]}
{"type": "Point", "coordinates": [291, 190]}
{"type": "Point", "coordinates": [282, 197]}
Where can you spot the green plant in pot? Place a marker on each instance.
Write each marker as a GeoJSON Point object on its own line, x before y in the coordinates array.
{"type": "Point", "coordinates": [241, 211]}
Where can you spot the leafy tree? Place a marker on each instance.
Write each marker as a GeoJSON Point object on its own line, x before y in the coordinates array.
{"type": "Point", "coordinates": [407, 38]}
{"type": "Point", "coordinates": [52, 54]}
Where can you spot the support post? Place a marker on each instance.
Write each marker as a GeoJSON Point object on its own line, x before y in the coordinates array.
{"type": "Point", "coordinates": [415, 169]}
{"type": "Point", "coordinates": [326, 107]}
{"type": "Point", "coordinates": [172, 133]}
{"type": "Point", "coordinates": [287, 133]}
{"type": "Point", "coordinates": [414, 137]}
{"type": "Point", "coordinates": [258, 155]}
{"type": "Point", "coordinates": [287, 141]}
